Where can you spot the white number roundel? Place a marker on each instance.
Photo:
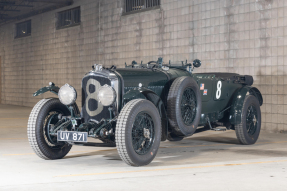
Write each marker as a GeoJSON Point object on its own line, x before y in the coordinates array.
{"type": "Point", "coordinates": [218, 92]}
{"type": "Point", "coordinates": [94, 96]}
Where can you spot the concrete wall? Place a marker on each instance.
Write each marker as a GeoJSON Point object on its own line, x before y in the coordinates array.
{"type": "Point", "coordinates": [243, 36]}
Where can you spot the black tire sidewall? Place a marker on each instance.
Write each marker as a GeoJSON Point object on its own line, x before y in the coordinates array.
{"type": "Point", "coordinates": [186, 130]}
{"type": "Point", "coordinates": [148, 107]}
{"type": "Point", "coordinates": [251, 100]}
{"type": "Point", "coordinates": [51, 153]}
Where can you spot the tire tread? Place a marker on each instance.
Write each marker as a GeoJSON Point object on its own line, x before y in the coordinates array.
{"type": "Point", "coordinates": [120, 131]}
{"type": "Point", "coordinates": [31, 129]}
{"type": "Point", "coordinates": [34, 133]}
{"type": "Point", "coordinates": [239, 128]}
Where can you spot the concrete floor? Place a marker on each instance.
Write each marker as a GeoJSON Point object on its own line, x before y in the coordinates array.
{"type": "Point", "coordinates": [205, 161]}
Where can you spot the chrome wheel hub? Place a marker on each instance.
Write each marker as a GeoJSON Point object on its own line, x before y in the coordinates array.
{"type": "Point", "coordinates": [146, 133]}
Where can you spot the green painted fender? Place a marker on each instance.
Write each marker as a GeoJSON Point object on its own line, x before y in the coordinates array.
{"type": "Point", "coordinates": [238, 100]}
{"type": "Point", "coordinates": [144, 93]}
{"type": "Point", "coordinates": [55, 89]}
{"type": "Point", "coordinates": [52, 88]}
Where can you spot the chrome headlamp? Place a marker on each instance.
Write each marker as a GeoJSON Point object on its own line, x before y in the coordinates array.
{"type": "Point", "coordinates": [107, 95]}
{"type": "Point", "coordinates": [67, 94]}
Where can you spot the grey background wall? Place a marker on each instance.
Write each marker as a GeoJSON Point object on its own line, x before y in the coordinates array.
{"type": "Point", "coordinates": [242, 36]}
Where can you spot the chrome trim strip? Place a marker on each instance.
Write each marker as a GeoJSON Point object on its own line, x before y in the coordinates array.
{"type": "Point", "coordinates": [123, 87]}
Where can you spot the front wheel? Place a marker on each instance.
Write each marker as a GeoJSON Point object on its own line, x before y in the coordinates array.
{"type": "Point", "coordinates": [43, 116]}
{"type": "Point", "coordinates": [138, 132]}
{"type": "Point", "coordinates": [248, 130]}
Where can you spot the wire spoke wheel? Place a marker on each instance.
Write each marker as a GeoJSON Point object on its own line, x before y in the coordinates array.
{"type": "Point", "coordinates": [248, 130]}
{"type": "Point", "coordinates": [138, 132]}
{"type": "Point", "coordinates": [42, 120]}
{"type": "Point", "coordinates": [142, 133]}
{"type": "Point", "coordinates": [50, 122]}
{"type": "Point", "coordinates": [188, 106]}
{"type": "Point", "coordinates": [183, 107]}
{"type": "Point", "coordinates": [251, 120]}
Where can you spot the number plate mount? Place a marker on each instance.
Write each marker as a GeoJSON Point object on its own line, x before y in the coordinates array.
{"type": "Point", "coordinates": [72, 136]}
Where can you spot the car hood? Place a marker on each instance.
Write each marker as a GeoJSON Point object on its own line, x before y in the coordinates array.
{"type": "Point", "coordinates": [147, 77]}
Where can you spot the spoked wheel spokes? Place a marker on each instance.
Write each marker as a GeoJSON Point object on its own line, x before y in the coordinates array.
{"type": "Point", "coordinates": [188, 106]}
{"type": "Point", "coordinates": [138, 132]}
{"type": "Point", "coordinates": [43, 119]}
{"type": "Point", "coordinates": [142, 133]}
{"type": "Point", "coordinates": [251, 120]}
{"type": "Point", "coordinates": [50, 122]}
{"type": "Point", "coordinates": [248, 130]}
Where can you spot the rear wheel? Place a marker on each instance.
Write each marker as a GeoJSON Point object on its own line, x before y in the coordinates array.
{"type": "Point", "coordinates": [43, 116]}
{"type": "Point", "coordinates": [184, 106]}
{"type": "Point", "coordinates": [248, 130]}
{"type": "Point", "coordinates": [138, 132]}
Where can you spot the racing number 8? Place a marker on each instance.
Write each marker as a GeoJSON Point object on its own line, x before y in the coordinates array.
{"type": "Point", "coordinates": [218, 92]}
{"type": "Point", "coordinates": [94, 96]}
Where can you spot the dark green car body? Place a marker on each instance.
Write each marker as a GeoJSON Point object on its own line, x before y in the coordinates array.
{"type": "Point", "coordinates": [222, 94]}
{"type": "Point", "coordinates": [136, 107]}
{"type": "Point", "coordinates": [227, 108]}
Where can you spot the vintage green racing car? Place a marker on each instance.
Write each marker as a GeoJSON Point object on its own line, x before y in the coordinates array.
{"type": "Point", "coordinates": [136, 107]}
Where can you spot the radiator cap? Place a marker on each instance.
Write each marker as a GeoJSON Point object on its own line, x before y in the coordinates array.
{"type": "Point", "coordinates": [98, 67]}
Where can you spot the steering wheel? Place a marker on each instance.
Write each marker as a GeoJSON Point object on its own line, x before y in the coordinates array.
{"type": "Point", "coordinates": [196, 63]}
{"type": "Point", "coordinates": [156, 64]}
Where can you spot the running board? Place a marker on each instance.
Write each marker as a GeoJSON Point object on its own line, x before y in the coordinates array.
{"type": "Point", "coordinates": [94, 144]}
{"type": "Point", "coordinates": [207, 128]}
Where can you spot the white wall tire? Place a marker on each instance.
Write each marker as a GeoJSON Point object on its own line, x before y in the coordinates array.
{"type": "Point", "coordinates": [36, 133]}
{"type": "Point", "coordinates": [125, 128]}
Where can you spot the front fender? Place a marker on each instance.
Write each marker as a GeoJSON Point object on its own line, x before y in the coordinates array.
{"type": "Point", "coordinates": [55, 89]}
{"type": "Point", "coordinates": [238, 100]}
{"type": "Point", "coordinates": [144, 93]}
{"type": "Point", "coordinates": [52, 88]}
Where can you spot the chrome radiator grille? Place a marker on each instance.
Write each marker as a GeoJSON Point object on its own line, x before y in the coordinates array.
{"type": "Point", "coordinates": [92, 109]}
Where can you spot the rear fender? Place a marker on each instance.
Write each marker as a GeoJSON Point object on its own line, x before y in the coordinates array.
{"type": "Point", "coordinates": [144, 93]}
{"type": "Point", "coordinates": [238, 100]}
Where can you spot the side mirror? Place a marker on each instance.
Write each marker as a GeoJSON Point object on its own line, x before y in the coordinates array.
{"type": "Point", "coordinates": [196, 63]}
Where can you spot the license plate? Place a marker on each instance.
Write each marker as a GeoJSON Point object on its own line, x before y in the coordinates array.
{"type": "Point", "coordinates": [72, 136]}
